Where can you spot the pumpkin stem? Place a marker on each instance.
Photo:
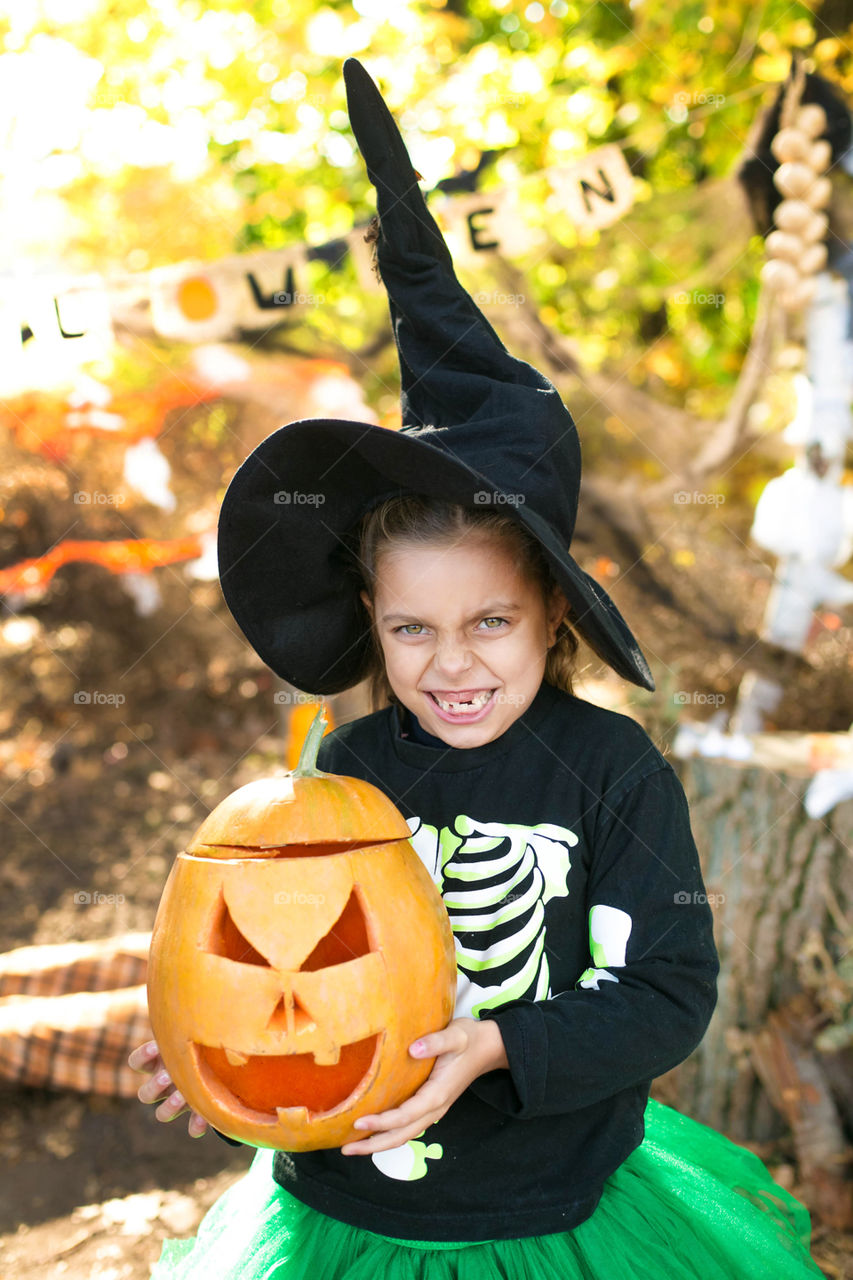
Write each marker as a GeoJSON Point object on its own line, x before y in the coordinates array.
{"type": "Point", "coordinates": [307, 766]}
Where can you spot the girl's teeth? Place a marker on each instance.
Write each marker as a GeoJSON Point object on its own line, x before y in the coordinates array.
{"type": "Point", "coordinates": [457, 707]}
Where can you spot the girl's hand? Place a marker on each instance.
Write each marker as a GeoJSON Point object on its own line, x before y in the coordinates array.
{"type": "Point", "coordinates": [464, 1050]}
{"type": "Point", "coordinates": [147, 1060]}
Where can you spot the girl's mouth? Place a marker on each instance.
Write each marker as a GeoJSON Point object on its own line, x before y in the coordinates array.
{"type": "Point", "coordinates": [468, 707]}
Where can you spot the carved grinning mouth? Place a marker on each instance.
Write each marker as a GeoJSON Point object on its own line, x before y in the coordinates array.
{"type": "Point", "coordinates": [293, 1079]}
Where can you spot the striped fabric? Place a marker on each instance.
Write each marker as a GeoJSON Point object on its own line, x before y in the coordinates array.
{"type": "Point", "coordinates": [71, 1013]}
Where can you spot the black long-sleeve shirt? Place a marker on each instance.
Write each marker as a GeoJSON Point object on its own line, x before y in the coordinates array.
{"type": "Point", "coordinates": [564, 854]}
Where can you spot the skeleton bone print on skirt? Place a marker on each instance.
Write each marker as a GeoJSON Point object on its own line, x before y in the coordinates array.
{"type": "Point", "coordinates": [496, 879]}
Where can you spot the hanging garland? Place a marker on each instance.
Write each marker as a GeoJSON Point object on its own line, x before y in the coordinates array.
{"type": "Point", "coordinates": [796, 249]}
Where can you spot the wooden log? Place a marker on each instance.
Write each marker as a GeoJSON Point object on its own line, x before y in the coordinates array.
{"type": "Point", "coordinates": [793, 1076]}
{"type": "Point", "coordinates": [774, 876]}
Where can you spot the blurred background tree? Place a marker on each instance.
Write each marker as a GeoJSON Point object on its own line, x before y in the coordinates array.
{"type": "Point", "coordinates": [140, 134]}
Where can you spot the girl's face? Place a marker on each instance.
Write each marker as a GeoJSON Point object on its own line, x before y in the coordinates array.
{"type": "Point", "coordinates": [464, 634]}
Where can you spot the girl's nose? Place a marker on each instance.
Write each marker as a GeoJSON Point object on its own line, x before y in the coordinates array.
{"type": "Point", "coordinates": [452, 655]}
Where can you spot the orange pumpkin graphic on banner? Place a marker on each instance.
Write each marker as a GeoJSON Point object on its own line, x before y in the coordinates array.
{"type": "Point", "coordinates": [196, 298]}
{"type": "Point", "coordinates": [299, 948]}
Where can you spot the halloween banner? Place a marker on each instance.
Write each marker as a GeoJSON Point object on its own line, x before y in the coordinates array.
{"type": "Point", "coordinates": [201, 302]}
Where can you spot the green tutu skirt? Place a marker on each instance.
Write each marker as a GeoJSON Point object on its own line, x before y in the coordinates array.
{"type": "Point", "coordinates": [687, 1202]}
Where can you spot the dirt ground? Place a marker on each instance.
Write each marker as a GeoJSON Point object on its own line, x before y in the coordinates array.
{"type": "Point", "coordinates": [100, 796]}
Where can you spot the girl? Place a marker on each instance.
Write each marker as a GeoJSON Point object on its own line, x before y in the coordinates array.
{"type": "Point", "coordinates": [434, 561]}
{"type": "Point", "coordinates": [539, 814]}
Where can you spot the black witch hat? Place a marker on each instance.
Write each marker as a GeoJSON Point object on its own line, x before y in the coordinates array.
{"type": "Point", "coordinates": [479, 428]}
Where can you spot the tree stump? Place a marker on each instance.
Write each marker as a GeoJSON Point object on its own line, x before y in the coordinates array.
{"type": "Point", "coordinates": [775, 879]}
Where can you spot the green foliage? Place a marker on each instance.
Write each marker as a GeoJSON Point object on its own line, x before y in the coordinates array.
{"type": "Point", "coordinates": [196, 130]}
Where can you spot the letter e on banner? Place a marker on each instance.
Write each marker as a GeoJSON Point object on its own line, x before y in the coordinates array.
{"type": "Point", "coordinates": [597, 190]}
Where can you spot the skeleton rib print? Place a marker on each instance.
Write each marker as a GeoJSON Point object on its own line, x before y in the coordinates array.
{"type": "Point", "coordinates": [495, 879]}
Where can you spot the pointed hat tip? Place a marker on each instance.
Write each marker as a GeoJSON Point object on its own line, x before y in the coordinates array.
{"type": "Point", "coordinates": [353, 70]}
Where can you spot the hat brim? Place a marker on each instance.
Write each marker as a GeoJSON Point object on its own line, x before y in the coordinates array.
{"type": "Point", "coordinates": [285, 546]}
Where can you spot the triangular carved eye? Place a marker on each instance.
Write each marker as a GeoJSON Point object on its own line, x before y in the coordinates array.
{"type": "Point", "coordinates": [227, 940]}
{"type": "Point", "coordinates": [346, 939]}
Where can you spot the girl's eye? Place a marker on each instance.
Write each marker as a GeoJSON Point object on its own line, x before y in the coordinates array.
{"type": "Point", "coordinates": [406, 627]}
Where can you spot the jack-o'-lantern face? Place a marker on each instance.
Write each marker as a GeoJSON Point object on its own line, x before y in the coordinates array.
{"type": "Point", "coordinates": [287, 978]}
{"type": "Point", "coordinates": [305, 1037]}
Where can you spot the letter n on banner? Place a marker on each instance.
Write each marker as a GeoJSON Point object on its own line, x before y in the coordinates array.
{"type": "Point", "coordinates": [597, 190]}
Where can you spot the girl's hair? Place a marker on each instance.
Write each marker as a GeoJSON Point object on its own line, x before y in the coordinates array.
{"type": "Point", "coordinates": [412, 519]}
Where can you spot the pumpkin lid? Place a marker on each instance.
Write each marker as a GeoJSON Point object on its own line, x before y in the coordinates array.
{"type": "Point", "coordinates": [305, 807]}
{"type": "Point", "coordinates": [272, 812]}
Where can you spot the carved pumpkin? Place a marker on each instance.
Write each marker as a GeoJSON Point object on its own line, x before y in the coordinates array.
{"type": "Point", "coordinates": [300, 946]}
